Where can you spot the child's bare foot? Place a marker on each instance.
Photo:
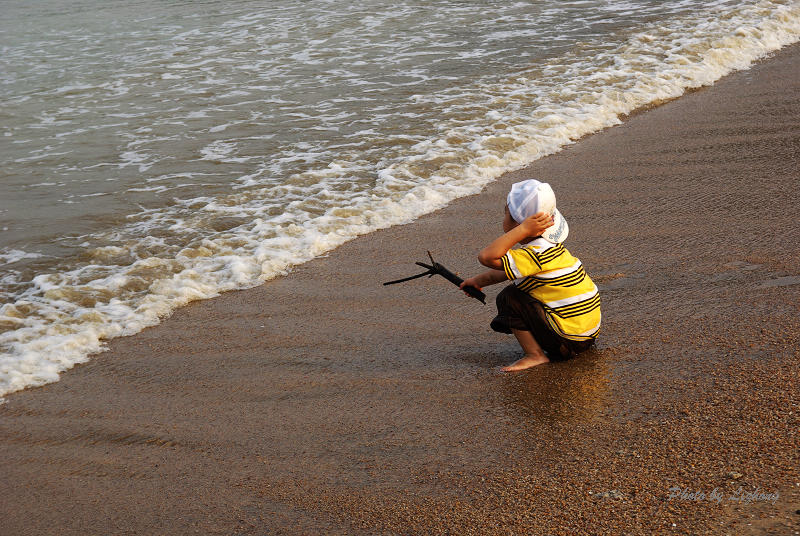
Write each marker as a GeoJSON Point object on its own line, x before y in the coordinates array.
{"type": "Point", "coordinates": [527, 361]}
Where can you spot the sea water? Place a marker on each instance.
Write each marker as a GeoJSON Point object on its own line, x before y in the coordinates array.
{"type": "Point", "coordinates": [153, 153]}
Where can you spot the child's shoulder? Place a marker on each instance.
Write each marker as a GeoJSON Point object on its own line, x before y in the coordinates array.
{"type": "Point", "coordinates": [544, 253]}
{"type": "Point", "coordinates": [540, 245]}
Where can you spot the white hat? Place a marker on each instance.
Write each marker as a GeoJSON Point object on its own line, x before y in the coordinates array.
{"type": "Point", "coordinates": [528, 197]}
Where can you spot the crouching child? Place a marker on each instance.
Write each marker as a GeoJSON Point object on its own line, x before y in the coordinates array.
{"type": "Point", "coordinates": [552, 307]}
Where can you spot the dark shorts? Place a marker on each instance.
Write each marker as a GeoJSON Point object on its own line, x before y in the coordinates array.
{"type": "Point", "coordinates": [516, 309]}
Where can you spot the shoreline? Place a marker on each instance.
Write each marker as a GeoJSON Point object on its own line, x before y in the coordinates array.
{"type": "Point", "coordinates": [63, 307]}
{"type": "Point", "coordinates": [324, 402]}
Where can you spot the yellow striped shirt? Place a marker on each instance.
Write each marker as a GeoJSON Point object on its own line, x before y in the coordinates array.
{"type": "Point", "coordinates": [552, 276]}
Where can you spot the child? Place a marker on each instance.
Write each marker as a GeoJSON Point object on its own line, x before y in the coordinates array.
{"type": "Point", "coordinates": [553, 307]}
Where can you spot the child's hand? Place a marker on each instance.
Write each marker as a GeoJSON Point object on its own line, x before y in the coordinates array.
{"type": "Point", "coordinates": [536, 224]}
{"type": "Point", "coordinates": [471, 282]}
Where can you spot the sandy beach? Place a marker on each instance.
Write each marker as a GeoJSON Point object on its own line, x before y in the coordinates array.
{"type": "Point", "coordinates": [325, 403]}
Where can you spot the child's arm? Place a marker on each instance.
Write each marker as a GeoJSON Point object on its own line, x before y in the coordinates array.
{"type": "Point", "coordinates": [485, 279]}
{"type": "Point", "coordinates": [531, 227]}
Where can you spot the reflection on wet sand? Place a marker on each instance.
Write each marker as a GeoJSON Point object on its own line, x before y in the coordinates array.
{"type": "Point", "coordinates": [572, 391]}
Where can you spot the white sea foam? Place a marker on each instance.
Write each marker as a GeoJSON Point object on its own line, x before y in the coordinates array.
{"type": "Point", "coordinates": [353, 175]}
{"type": "Point", "coordinates": [14, 255]}
{"type": "Point", "coordinates": [218, 151]}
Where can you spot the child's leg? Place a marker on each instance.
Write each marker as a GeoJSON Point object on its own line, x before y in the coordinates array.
{"type": "Point", "coordinates": [533, 352]}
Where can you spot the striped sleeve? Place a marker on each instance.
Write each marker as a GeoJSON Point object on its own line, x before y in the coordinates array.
{"type": "Point", "coordinates": [522, 262]}
{"type": "Point", "coordinates": [507, 267]}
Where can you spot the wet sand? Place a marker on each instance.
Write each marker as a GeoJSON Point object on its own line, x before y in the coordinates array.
{"type": "Point", "coordinates": [325, 403]}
